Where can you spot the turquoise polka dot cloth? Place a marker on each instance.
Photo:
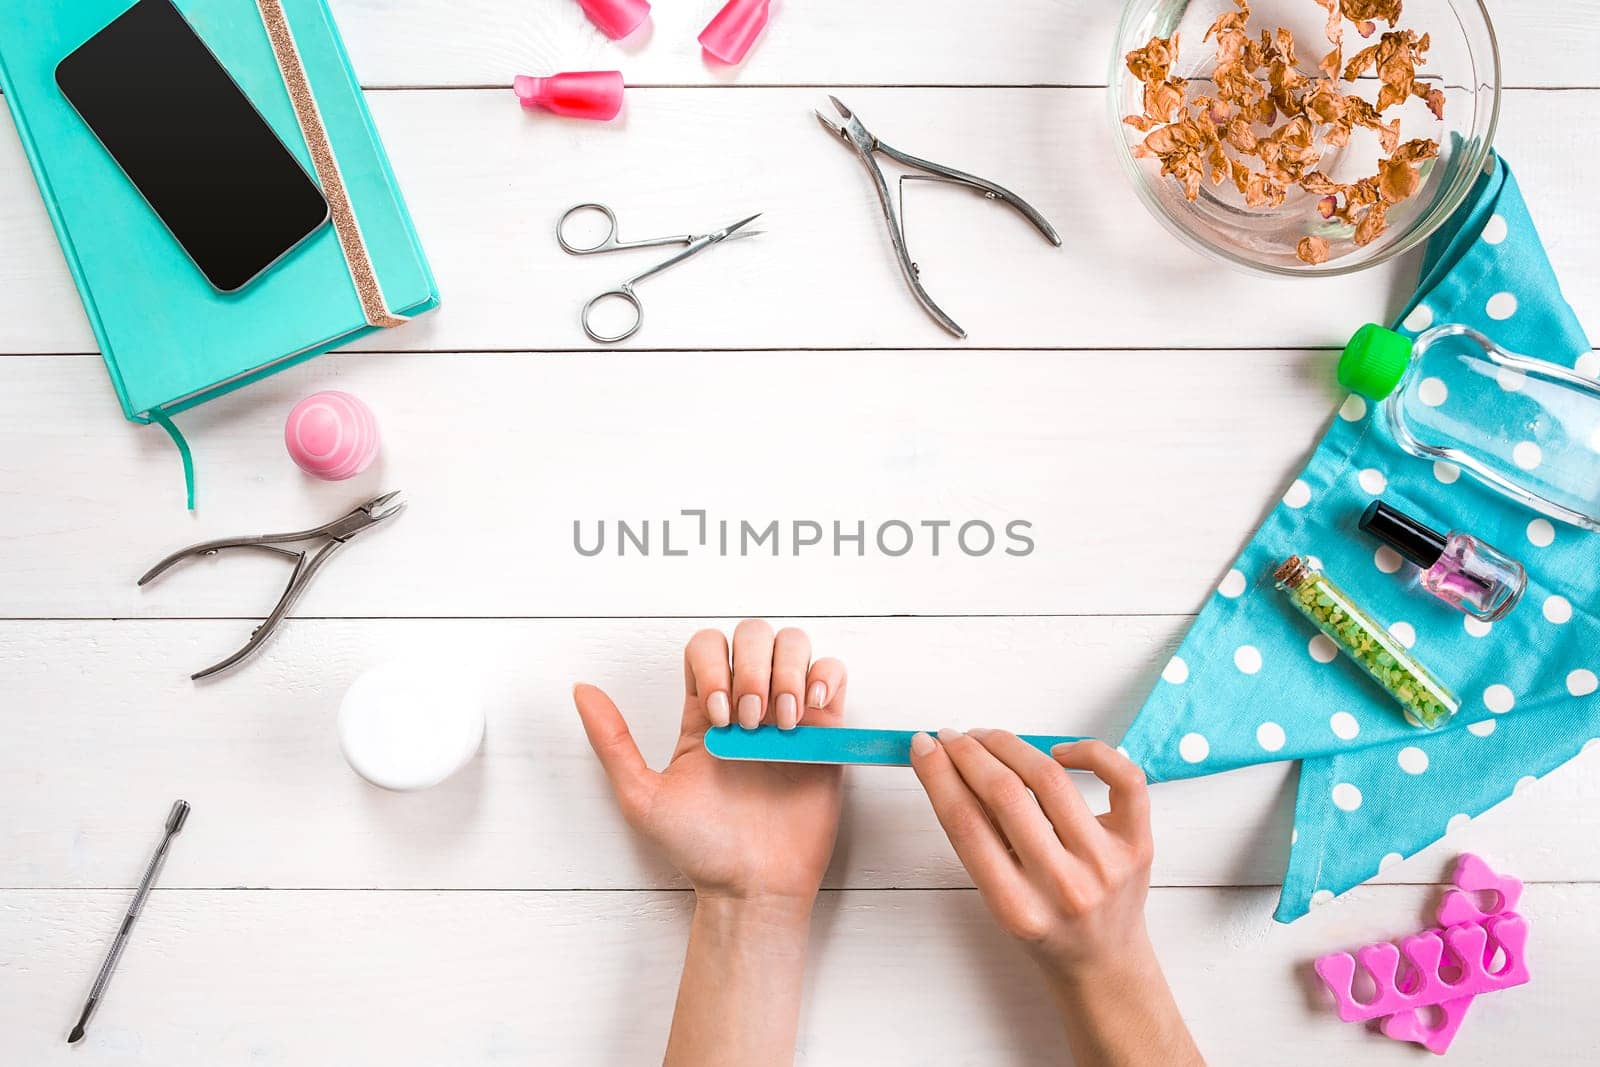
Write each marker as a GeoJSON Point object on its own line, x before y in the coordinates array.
{"type": "Point", "coordinates": [1250, 685]}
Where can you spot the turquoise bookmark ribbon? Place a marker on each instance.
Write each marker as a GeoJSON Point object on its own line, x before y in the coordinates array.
{"type": "Point", "coordinates": [161, 419]}
{"type": "Point", "coordinates": [825, 744]}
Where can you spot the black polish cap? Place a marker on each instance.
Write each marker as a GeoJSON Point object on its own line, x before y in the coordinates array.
{"type": "Point", "coordinates": [1420, 544]}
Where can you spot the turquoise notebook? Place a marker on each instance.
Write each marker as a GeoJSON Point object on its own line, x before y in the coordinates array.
{"type": "Point", "coordinates": [169, 339]}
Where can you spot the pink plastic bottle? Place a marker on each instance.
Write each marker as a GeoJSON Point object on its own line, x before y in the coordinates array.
{"type": "Point", "coordinates": [731, 32]}
{"type": "Point", "coordinates": [616, 18]}
{"type": "Point", "coordinates": [587, 94]}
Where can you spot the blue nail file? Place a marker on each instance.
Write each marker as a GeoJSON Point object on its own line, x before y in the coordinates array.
{"type": "Point", "coordinates": [824, 744]}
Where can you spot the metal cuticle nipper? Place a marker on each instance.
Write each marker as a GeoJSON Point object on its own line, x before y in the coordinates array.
{"type": "Point", "coordinates": [866, 146]}
{"type": "Point", "coordinates": [306, 562]}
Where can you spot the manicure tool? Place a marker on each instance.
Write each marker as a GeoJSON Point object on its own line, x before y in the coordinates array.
{"type": "Point", "coordinates": [866, 146]}
{"type": "Point", "coordinates": [175, 820]}
{"type": "Point", "coordinates": [306, 564]}
{"type": "Point", "coordinates": [825, 744]}
{"type": "Point", "coordinates": [694, 244]}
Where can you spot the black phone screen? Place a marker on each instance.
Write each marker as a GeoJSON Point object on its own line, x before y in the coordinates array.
{"type": "Point", "coordinates": [188, 138]}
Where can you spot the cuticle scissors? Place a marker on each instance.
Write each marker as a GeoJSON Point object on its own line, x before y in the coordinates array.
{"type": "Point", "coordinates": [693, 245]}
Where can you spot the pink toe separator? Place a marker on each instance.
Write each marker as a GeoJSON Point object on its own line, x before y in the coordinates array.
{"type": "Point", "coordinates": [731, 31]}
{"type": "Point", "coordinates": [1471, 947]}
{"type": "Point", "coordinates": [1408, 1025]}
{"type": "Point", "coordinates": [1473, 936]}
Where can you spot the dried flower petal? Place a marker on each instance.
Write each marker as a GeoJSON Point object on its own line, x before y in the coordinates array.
{"type": "Point", "coordinates": [1372, 224]}
{"type": "Point", "coordinates": [1312, 250]}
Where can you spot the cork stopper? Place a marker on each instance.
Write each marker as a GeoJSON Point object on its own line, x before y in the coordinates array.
{"type": "Point", "coordinates": [1293, 571]}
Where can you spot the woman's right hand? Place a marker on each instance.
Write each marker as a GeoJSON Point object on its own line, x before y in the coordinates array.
{"type": "Point", "coordinates": [1068, 884]}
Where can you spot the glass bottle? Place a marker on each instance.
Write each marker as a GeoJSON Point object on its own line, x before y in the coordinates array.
{"type": "Point", "coordinates": [1525, 427]}
{"type": "Point", "coordinates": [1421, 697]}
{"type": "Point", "coordinates": [1468, 574]}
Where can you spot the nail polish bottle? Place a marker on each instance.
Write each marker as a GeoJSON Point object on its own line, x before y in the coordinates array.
{"type": "Point", "coordinates": [1464, 572]}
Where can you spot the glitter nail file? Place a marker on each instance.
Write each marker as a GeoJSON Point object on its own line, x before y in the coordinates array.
{"type": "Point", "coordinates": [824, 744]}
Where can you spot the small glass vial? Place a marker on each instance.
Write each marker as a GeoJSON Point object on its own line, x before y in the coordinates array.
{"type": "Point", "coordinates": [1424, 700]}
{"type": "Point", "coordinates": [1464, 572]}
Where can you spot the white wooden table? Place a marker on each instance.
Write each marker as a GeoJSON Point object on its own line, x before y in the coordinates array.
{"type": "Point", "coordinates": [1138, 405]}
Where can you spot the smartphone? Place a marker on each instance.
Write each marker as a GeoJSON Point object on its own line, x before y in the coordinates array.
{"type": "Point", "coordinates": [191, 142]}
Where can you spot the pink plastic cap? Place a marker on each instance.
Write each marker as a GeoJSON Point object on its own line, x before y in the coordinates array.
{"type": "Point", "coordinates": [616, 18]}
{"type": "Point", "coordinates": [731, 32]}
{"type": "Point", "coordinates": [331, 435]}
{"type": "Point", "coordinates": [585, 94]}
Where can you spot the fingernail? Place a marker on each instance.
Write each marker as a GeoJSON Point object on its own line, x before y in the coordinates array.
{"type": "Point", "coordinates": [717, 708]}
{"type": "Point", "coordinates": [1065, 746]}
{"type": "Point", "coordinates": [921, 744]}
{"type": "Point", "coordinates": [749, 711]}
{"type": "Point", "coordinates": [980, 734]}
{"type": "Point", "coordinates": [818, 697]}
{"type": "Point", "coordinates": [947, 735]}
{"type": "Point", "coordinates": [786, 711]}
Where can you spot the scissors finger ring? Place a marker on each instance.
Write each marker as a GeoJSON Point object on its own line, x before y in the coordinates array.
{"type": "Point", "coordinates": [627, 296]}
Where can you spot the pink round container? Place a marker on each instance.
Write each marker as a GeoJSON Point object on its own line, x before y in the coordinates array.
{"type": "Point", "coordinates": [331, 435]}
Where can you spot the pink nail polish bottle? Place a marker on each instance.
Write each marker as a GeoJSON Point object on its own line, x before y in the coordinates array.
{"type": "Point", "coordinates": [1464, 572]}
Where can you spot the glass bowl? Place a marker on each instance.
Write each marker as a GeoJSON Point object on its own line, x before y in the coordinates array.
{"type": "Point", "coordinates": [1463, 62]}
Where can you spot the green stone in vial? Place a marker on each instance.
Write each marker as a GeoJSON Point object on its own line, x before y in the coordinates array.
{"type": "Point", "coordinates": [1425, 701]}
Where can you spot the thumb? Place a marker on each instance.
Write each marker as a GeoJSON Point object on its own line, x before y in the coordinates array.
{"type": "Point", "coordinates": [633, 782]}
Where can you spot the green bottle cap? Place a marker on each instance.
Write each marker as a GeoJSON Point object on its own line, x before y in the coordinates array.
{"type": "Point", "coordinates": [1374, 361]}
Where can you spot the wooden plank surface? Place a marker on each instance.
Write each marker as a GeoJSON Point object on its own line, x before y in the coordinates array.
{"type": "Point", "coordinates": [587, 978]}
{"type": "Point", "coordinates": [1115, 458]}
{"type": "Point", "coordinates": [106, 729]}
{"type": "Point", "coordinates": [885, 42]}
{"type": "Point", "coordinates": [487, 182]}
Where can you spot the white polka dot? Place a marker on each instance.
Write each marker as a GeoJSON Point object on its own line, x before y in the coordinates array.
{"type": "Point", "coordinates": [1558, 609]}
{"type": "Point", "coordinates": [1477, 627]}
{"type": "Point", "coordinates": [1405, 633]}
{"type": "Point", "coordinates": [1588, 365]}
{"type": "Point", "coordinates": [1298, 496]}
{"type": "Point", "coordinates": [1123, 753]}
{"type": "Point", "coordinates": [1581, 682]}
{"type": "Point", "coordinates": [1524, 782]}
{"type": "Point", "coordinates": [1194, 748]}
{"type": "Point", "coordinates": [1390, 860]}
{"type": "Point", "coordinates": [1346, 797]}
{"type": "Point", "coordinates": [1321, 897]}
{"type": "Point", "coordinates": [1344, 726]}
{"type": "Point", "coordinates": [1541, 533]}
{"type": "Point", "coordinates": [1294, 835]}
{"type": "Point", "coordinates": [1322, 649]}
{"type": "Point", "coordinates": [1494, 231]}
{"type": "Point", "coordinates": [1499, 699]}
{"type": "Point", "coordinates": [1269, 735]}
{"type": "Point", "coordinates": [1247, 658]}
{"type": "Point", "coordinates": [1233, 584]}
{"type": "Point", "coordinates": [1176, 671]}
{"type": "Point", "coordinates": [1386, 559]}
{"type": "Point", "coordinates": [1446, 472]}
{"type": "Point", "coordinates": [1527, 455]}
{"type": "Point", "coordinates": [1501, 306]}
{"type": "Point", "coordinates": [1433, 391]}
{"type": "Point", "coordinates": [1510, 380]}
{"type": "Point", "coordinates": [1413, 760]}
{"type": "Point", "coordinates": [1457, 822]}
{"type": "Point", "coordinates": [1420, 319]}
{"type": "Point", "coordinates": [1481, 729]}
{"type": "Point", "coordinates": [1372, 481]}
{"type": "Point", "coordinates": [1354, 408]}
